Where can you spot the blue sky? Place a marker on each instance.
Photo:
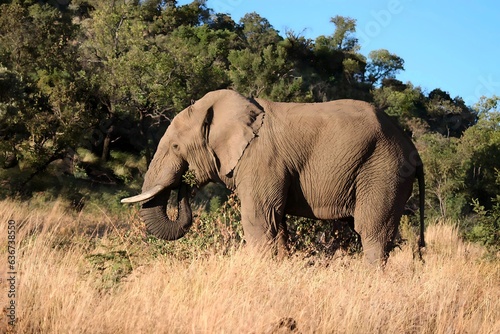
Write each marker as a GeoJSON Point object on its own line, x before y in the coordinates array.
{"type": "Point", "coordinates": [452, 45]}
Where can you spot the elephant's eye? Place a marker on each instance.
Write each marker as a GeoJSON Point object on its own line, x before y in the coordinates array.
{"type": "Point", "coordinates": [175, 147]}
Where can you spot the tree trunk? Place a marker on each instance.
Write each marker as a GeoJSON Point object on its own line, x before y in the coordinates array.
{"type": "Point", "coordinates": [144, 134]}
{"type": "Point", "coordinates": [106, 150]}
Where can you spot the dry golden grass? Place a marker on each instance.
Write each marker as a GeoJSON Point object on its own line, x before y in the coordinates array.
{"type": "Point", "coordinates": [62, 290]}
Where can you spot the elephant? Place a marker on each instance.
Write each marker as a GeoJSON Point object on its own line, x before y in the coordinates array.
{"type": "Point", "coordinates": [342, 159]}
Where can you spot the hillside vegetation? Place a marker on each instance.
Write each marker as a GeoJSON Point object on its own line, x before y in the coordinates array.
{"type": "Point", "coordinates": [82, 273]}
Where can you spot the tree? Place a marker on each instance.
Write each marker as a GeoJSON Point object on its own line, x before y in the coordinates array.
{"type": "Point", "coordinates": [480, 151]}
{"type": "Point", "coordinates": [462, 173]}
{"type": "Point", "coordinates": [13, 100]}
{"type": "Point", "coordinates": [48, 106]}
{"type": "Point", "coordinates": [337, 67]}
{"type": "Point", "coordinates": [201, 58]}
{"type": "Point", "coordinates": [169, 16]}
{"type": "Point", "coordinates": [264, 74]}
{"type": "Point", "coordinates": [383, 65]}
{"type": "Point", "coordinates": [221, 21]}
{"type": "Point", "coordinates": [263, 67]}
{"type": "Point", "coordinates": [450, 117]}
{"type": "Point", "coordinates": [257, 32]}
{"type": "Point", "coordinates": [444, 175]}
{"type": "Point", "coordinates": [145, 71]}
{"type": "Point", "coordinates": [343, 39]}
{"type": "Point", "coordinates": [110, 32]}
{"type": "Point", "coordinates": [487, 106]}
{"type": "Point", "coordinates": [402, 101]}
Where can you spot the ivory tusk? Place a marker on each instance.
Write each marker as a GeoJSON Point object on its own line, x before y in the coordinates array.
{"type": "Point", "coordinates": [144, 196]}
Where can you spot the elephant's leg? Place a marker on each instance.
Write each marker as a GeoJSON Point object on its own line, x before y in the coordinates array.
{"type": "Point", "coordinates": [264, 227]}
{"type": "Point", "coordinates": [375, 247]}
{"type": "Point", "coordinates": [379, 207]}
{"type": "Point", "coordinates": [282, 239]}
{"type": "Point", "coordinates": [254, 226]}
{"type": "Point", "coordinates": [377, 231]}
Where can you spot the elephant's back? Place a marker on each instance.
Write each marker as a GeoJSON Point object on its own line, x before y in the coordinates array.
{"type": "Point", "coordinates": [348, 116]}
{"type": "Point", "coordinates": [346, 129]}
{"type": "Point", "coordinates": [344, 108]}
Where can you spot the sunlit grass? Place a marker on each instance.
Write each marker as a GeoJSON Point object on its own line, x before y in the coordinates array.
{"type": "Point", "coordinates": [81, 273]}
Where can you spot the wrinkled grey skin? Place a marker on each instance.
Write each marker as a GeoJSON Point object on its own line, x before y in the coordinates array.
{"type": "Point", "coordinates": [334, 160]}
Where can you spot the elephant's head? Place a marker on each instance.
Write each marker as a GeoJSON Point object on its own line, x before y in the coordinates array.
{"type": "Point", "coordinates": [209, 138]}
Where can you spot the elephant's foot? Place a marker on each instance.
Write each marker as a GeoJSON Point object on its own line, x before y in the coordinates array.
{"type": "Point", "coordinates": [281, 244]}
{"type": "Point", "coordinates": [375, 253]}
{"type": "Point", "coordinates": [282, 251]}
{"type": "Point", "coordinates": [275, 248]}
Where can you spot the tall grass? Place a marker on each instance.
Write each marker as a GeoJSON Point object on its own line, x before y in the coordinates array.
{"type": "Point", "coordinates": [75, 277]}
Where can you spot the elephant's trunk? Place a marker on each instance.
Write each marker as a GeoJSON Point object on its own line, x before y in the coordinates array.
{"type": "Point", "coordinates": [154, 214]}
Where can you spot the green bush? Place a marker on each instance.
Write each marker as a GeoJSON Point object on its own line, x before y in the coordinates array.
{"type": "Point", "coordinates": [486, 229]}
{"type": "Point", "coordinates": [324, 237]}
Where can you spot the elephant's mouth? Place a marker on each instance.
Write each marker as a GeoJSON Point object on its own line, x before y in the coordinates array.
{"type": "Point", "coordinates": [154, 212]}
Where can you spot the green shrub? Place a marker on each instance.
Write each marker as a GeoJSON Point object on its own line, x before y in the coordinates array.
{"type": "Point", "coordinates": [324, 237]}
{"type": "Point", "coordinates": [486, 229]}
{"type": "Point", "coordinates": [215, 231]}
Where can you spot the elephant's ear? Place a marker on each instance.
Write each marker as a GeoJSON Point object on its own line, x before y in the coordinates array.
{"type": "Point", "coordinates": [232, 122]}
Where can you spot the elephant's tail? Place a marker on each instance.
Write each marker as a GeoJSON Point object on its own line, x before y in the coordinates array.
{"type": "Point", "coordinates": [421, 194]}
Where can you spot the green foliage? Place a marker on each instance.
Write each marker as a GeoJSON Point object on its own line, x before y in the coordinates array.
{"type": "Point", "coordinates": [265, 74]}
{"type": "Point", "coordinates": [486, 228]}
{"type": "Point", "coordinates": [403, 101]}
{"type": "Point", "coordinates": [324, 237]}
{"type": "Point", "coordinates": [201, 57]}
{"type": "Point", "coordinates": [383, 65]}
{"type": "Point", "coordinates": [189, 178]}
{"type": "Point", "coordinates": [126, 166]}
{"type": "Point", "coordinates": [258, 32]}
{"type": "Point", "coordinates": [343, 39]}
{"type": "Point", "coordinates": [444, 175]}
{"type": "Point", "coordinates": [221, 229]}
{"type": "Point", "coordinates": [450, 117]}
{"type": "Point", "coordinates": [480, 151]}
{"type": "Point", "coordinates": [218, 230]}
{"type": "Point", "coordinates": [12, 126]}
{"type": "Point", "coordinates": [45, 110]}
